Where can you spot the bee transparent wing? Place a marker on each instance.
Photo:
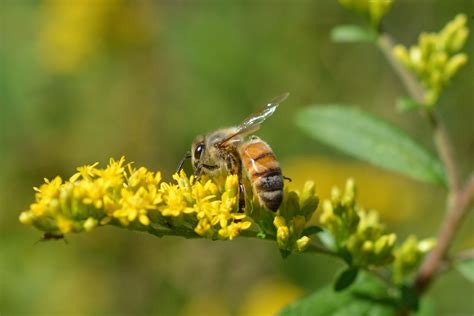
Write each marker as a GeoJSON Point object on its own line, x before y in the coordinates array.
{"type": "Point", "coordinates": [252, 122]}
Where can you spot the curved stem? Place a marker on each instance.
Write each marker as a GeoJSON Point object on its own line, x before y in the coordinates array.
{"type": "Point", "coordinates": [454, 215]}
{"type": "Point", "coordinates": [444, 149]}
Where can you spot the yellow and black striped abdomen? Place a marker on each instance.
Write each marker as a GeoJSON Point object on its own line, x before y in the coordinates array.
{"type": "Point", "coordinates": [264, 172]}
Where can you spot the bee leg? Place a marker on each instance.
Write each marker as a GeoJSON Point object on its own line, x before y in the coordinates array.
{"type": "Point", "coordinates": [241, 195]}
{"type": "Point", "coordinates": [286, 178]}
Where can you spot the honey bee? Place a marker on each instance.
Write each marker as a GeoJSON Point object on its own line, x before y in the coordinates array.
{"type": "Point", "coordinates": [228, 151]}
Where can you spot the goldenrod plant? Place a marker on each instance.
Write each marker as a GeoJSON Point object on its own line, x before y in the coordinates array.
{"type": "Point", "coordinates": [384, 273]}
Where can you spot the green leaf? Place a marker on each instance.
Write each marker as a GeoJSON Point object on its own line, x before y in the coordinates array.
{"type": "Point", "coordinates": [407, 104]}
{"type": "Point", "coordinates": [366, 297]}
{"type": "Point", "coordinates": [466, 268]}
{"type": "Point", "coordinates": [369, 138]}
{"type": "Point", "coordinates": [311, 230]}
{"type": "Point", "coordinates": [351, 33]}
{"type": "Point", "coordinates": [345, 279]}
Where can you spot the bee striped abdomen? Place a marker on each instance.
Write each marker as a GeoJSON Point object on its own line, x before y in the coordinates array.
{"type": "Point", "coordinates": [264, 172]}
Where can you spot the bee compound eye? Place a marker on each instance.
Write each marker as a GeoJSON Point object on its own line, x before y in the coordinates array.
{"type": "Point", "coordinates": [198, 151]}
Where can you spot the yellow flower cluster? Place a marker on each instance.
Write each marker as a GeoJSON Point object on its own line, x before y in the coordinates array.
{"type": "Point", "coordinates": [409, 256]}
{"type": "Point", "coordinates": [292, 219]}
{"type": "Point", "coordinates": [372, 10]}
{"type": "Point", "coordinates": [356, 230]}
{"type": "Point", "coordinates": [136, 198]}
{"type": "Point", "coordinates": [436, 58]}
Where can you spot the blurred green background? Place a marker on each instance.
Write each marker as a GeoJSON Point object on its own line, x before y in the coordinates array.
{"type": "Point", "coordinates": [83, 80]}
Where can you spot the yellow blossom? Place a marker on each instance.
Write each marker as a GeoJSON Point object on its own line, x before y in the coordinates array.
{"type": "Point", "coordinates": [303, 243]}
{"type": "Point", "coordinates": [122, 195]}
{"type": "Point", "coordinates": [409, 255]}
{"type": "Point", "coordinates": [356, 230]}
{"type": "Point", "coordinates": [86, 172]}
{"type": "Point", "coordinates": [436, 57]}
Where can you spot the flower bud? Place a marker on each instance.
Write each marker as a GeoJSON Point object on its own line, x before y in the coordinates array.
{"type": "Point", "coordinates": [303, 243]}
{"type": "Point", "coordinates": [283, 235]}
{"type": "Point", "coordinates": [90, 224]}
{"type": "Point", "coordinates": [409, 255]}
{"type": "Point", "coordinates": [26, 218]}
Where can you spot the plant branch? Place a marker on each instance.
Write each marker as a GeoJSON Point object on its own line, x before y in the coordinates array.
{"type": "Point", "coordinates": [453, 217]}
{"type": "Point", "coordinates": [416, 91]}
{"type": "Point", "coordinates": [444, 149]}
{"type": "Point", "coordinates": [458, 198]}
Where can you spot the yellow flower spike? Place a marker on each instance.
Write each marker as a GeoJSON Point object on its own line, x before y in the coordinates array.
{"type": "Point", "coordinates": [356, 230]}
{"type": "Point", "coordinates": [435, 60]}
{"type": "Point", "coordinates": [134, 197]}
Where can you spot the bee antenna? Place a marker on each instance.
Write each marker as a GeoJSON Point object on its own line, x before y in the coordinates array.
{"type": "Point", "coordinates": [187, 155]}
